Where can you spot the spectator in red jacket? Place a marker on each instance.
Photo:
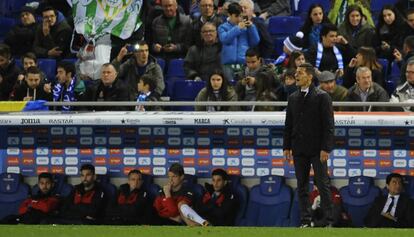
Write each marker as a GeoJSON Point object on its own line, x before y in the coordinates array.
{"type": "Point", "coordinates": [38, 206]}
{"type": "Point", "coordinates": [174, 203]}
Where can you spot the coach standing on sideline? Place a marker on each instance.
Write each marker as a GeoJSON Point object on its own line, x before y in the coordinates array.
{"type": "Point", "coordinates": [308, 138]}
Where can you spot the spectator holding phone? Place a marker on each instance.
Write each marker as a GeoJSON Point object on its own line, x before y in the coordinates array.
{"type": "Point", "coordinates": [141, 63]}
{"type": "Point", "coordinates": [52, 38]}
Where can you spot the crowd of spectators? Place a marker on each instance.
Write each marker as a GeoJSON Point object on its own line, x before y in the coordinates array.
{"type": "Point", "coordinates": [225, 44]}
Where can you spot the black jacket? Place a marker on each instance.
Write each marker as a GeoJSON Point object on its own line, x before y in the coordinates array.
{"type": "Point", "coordinates": [403, 213]}
{"type": "Point", "coordinates": [22, 90]}
{"type": "Point", "coordinates": [20, 39]}
{"type": "Point", "coordinates": [80, 203]}
{"type": "Point", "coordinates": [219, 211]}
{"type": "Point", "coordinates": [266, 43]}
{"type": "Point", "coordinates": [132, 207]}
{"type": "Point", "coordinates": [117, 92]}
{"type": "Point", "coordinates": [309, 124]}
{"type": "Point", "coordinates": [9, 75]}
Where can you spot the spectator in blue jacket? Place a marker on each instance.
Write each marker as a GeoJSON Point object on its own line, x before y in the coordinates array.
{"type": "Point", "coordinates": [237, 34]}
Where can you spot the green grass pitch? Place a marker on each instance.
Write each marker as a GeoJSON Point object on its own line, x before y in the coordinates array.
{"type": "Point", "coordinates": [183, 231]}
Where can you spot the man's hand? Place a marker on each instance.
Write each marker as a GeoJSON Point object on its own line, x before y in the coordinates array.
{"type": "Point", "coordinates": [242, 25]}
{"type": "Point", "coordinates": [157, 48]}
{"type": "Point", "coordinates": [27, 98]}
{"type": "Point", "coordinates": [122, 53]}
{"type": "Point", "coordinates": [20, 78]}
{"type": "Point", "coordinates": [341, 40]}
{"type": "Point", "coordinates": [324, 156]}
{"type": "Point", "coordinates": [264, 15]}
{"type": "Point", "coordinates": [55, 52]}
{"type": "Point", "coordinates": [167, 190]}
{"type": "Point", "coordinates": [45, 28]}
{"type": "Point", "coordinates": [287, 154]}
{"type": "Point", "coordinates": [353, 62]}
{"type": "Point", "coordinates": [47, 88]}
{"type": "Point", "coordinates": [170, 48]}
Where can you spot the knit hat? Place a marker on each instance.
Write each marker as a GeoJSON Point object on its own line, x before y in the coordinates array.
{"type": "Point", "coordinates": [326, 76]}
{"type": "Point", "coordinates": [294, 43]}
{"type": "Point", "coordinates": [28, 9]}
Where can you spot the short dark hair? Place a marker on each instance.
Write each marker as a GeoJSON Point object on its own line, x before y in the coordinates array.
{"type": "Point", "coordinates": [5, 51]}
{"type": "Point", "coordinates": [309, 69]}
{"type": "Point", "coordinates": [148, 80]}
{"type": "Point", "coordinates": [409, 12]}
{"type": "Point", "coordinates": [142, 42]}
{"type": "Point", "coordinates": [393, 175]}
{"type": "Point", "coordinates": [33, 70]}
{"type": "Point", "coordinates": [234, 8]}
{"type": "Point", "coordinates": [134, 171]}
{"type": "Point", "coordinates": [176, 169]}
{"type": "Point", "coordinates": [220, 172]}
{"type": "Point", "coordinates": [49, 8]}
{"type": "Point", "coordinates": [29, 55]}
{"type": "Point", "coordinates": [88, 167]}
{"type": "Point", "coordinates": [252, 52]}
{"type": "Point", "coordinates": [109, 64]}
{"type": "Point", "coordinates": [68, 67]}
{"type": "Point", "coordinates": [45, 175]}
{"type": "Point", "coordinates": [328, 27]}
{"type": "Point", "coordinates": [409, 42]}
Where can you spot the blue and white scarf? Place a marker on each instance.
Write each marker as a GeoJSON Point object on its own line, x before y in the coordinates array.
{"type": "Point", "coordinates": [280, 59]}
{"type": "Point", "coordinates": [68, 94]}
{"type": "Point", "coordinates": [142, 97]}
{"type": "Point", "coordinates": [338, 56]}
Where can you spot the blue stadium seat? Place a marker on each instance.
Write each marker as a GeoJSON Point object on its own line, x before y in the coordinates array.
{"type": "Point", "coordinates": [269, 203]}
{"type": "Point", "coordinates": [186, 90]}
{"type": "Point", "coordinates": [48, 66]}
{"type": "Point", "coordinates": [12, 193]}
{"type": "Point", "coordinates": [190, 181]}
{"type": "Point", "coordinates": [152, 188]}
{"type": "Point", "coordinates": [385, 64]}
{"type": "Point", "coordinates": [175, 69]}
{"type": "Point", "coordinates": [161, 62]}
{"type": "Point", "coordinates": [61, 188]}
{"type": "Point", "coordinates": [357, 198]}
{"type": "Point", "coordinates": [409, 185]}
{"type": "Point", "coordinates": [108, 187]}
{"type": "Point", "coordinates": [284, 25]}
{"type": "Point", "coordinates": [5, 26]}
{"type": "Point", "coordinates": [70, 60]}
{"type": "Point", "coordinates": [241, 194]}
{"type": "Point", "coordinates": [395, 73]}
{"type": "Point", "coordinates": [304, 5]}
{"type": "Point", "coordinates": [376, 5]}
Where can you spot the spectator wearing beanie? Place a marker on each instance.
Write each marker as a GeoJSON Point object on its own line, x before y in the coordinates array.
{"type": "Point", "coordinates": [21, 37]}
{"type": "Point", "coordinates": [290, 44]}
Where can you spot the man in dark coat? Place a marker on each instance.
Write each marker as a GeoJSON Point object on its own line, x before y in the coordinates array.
{"type": "Point", "coordinates": [52, 38]}
{"type": "Point", "coordinates": [308, 139]}
{"type": "Point", "coordinates": [110, 88]}
{"type": "Point", "coordinates": [393, 210]}
{"type": "Point", "coordinates": [21, 37]}
{"type": "Point", "coordinates": [8, 72]}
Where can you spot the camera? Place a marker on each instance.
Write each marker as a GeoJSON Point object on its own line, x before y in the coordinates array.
{"type": "Point", "coordinates": [133, 48]}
